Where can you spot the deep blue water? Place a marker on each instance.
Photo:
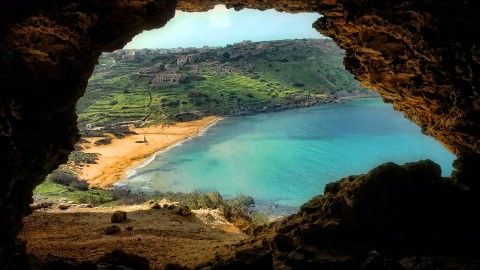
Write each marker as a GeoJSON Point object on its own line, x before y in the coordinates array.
{"type": "Point", "coordinates": [286, 158]}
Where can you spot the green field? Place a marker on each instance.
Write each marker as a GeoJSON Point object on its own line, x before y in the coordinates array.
{"type": "Point", "coordinates": [95, 197]}
{"type": "Point", "coordinates": [238, 79]}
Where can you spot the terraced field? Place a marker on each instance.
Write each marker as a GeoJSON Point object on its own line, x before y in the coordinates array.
{"type": "Point", "coordinates": [238, 79]}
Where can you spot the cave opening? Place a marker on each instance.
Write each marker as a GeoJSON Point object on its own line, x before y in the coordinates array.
{"type": "Point", "coordinates": [100, 114]}
{"type": "Point", "coordinates": [25, 106]}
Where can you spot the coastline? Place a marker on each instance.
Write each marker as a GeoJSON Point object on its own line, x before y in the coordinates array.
{"type": "Point", "coordinates": [132, 170]}
{"type": "Point", "coordinates": [122, 155]}
{"type": "Point", "coordinates": [303, 103]}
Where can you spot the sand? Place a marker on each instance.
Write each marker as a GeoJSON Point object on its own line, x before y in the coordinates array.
{"type": "Point", "coordinates": [121, 155]}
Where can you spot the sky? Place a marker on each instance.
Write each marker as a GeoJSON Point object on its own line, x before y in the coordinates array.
{"type": "Point", "coordinates": [221, 26]}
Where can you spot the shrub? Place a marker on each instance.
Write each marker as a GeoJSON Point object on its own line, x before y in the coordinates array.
{"type": "Point", "coordinates": [132, 199]}
{"type": "Point", "coordinates": [194, 200]}
{"type": "Point", "coordinates": [79, 157]}
{"type": "Point", "coordinates": [79, 185]}
{"type": "Point", "coordinates": [104, 141]}
{"type": "Point", "coordinates": [62, 177]}
{"type": "Point", "coordinates": [87, 198]}
{"type": "Point", "coordinates": [68, 179]}
{"type": "Point", "coordinates": [297, 84]}
{"type": "Point", "coordinates": [242, 200]}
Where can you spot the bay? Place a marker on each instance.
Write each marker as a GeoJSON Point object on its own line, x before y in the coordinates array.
{"type": "Point", "coordinates": [283, 159]}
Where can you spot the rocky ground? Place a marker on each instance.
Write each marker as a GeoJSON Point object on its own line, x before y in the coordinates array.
{"type": "Point", "coordinates": [155, 235]}
{"type": "Point", "coordinates": [393, 217]}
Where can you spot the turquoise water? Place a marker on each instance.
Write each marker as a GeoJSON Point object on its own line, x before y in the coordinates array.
{"type": "Point", "coordinates": [286, 158]}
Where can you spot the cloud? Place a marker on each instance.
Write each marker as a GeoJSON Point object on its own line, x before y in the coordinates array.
{"type": "Point", "coordinates": [220, 17]}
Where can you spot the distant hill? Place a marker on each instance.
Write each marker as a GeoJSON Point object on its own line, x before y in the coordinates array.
{"type": "Point", "coordinates": [244, 78]}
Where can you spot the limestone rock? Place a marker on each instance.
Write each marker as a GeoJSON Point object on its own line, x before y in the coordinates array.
{"type": "Point", "coordinates": [402, 211]}
{"type": "Point", "coordinates": [63, 206]}
{"type": "Point", "coordinates": [112, 230]}
{"type": "Point", "coordinates": [36, 206]}
{"type": "Point", "coordinates": [184, 211]}
{"type": "Point", "coordinates": [119, 216]}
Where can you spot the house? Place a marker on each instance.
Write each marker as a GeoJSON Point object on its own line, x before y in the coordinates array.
{"type": "Point", "coordinates": [166, 77]}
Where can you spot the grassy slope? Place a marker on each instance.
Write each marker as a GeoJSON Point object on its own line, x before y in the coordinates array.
{"type": "Point", "coordinates": [115, 94]}
{"type": "Point", "coordinates": [52, 190]}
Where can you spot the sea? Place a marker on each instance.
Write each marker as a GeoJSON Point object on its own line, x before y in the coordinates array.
{"type": "Point", "coordinates": [283, 159]}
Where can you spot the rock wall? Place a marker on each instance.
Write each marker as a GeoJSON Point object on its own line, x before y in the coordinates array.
{"type": "Point", "coordinates": [48, 50]}
{"type": "Point", "coordinates": [420, 55]}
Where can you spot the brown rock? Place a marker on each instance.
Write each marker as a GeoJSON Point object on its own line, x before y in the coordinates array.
{"type": "Point", "coordinates": [156, 206]}
{"type": "Point", "coordinates": [41, 205]}
{"type": "Point", "coordinates": [184, 211]}
{"type": "Point", "coordinates": [119, 216]}
{"type": "Point", "coordinates": [63, 206]}
{"type": "Point", "coordinates": [112, 230]}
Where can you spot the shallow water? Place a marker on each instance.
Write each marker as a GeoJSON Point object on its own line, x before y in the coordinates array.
{"type": "Point", "coordinates": [283, 159]}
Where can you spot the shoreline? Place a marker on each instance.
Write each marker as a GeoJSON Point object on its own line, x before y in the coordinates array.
{"type": "Point", "coordinates": [122, 155]}
{"type": "Point", "coordinates": [131, 171]}
{"type": "Point", "coordinates": [120, 159]}
{"type": "Point", "coordinates": [299, 104]}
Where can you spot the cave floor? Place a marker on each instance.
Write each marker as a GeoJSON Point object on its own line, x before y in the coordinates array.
{"type": "Point", "coordinates": [160, 235]}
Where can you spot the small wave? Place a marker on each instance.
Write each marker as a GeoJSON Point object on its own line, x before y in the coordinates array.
{"type": "Point", "coordinates": [133, 172]}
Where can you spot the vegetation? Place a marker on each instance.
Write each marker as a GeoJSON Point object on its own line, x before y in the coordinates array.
{"type": "Point", "coordinates": [68, 179]}
{"type": "Point", "coordinates": [238, 79]}
{"type": "Point", "coordinates": [78, 158]}
{"type": "Point", "coordinates": [129, 87]}
{"type": "Point", "coordinates": [237, 210]}
{"type": "Point", "coordinates": [52, 190]}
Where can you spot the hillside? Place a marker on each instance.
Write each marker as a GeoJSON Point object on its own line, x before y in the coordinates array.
{"type": "Point", "coordinates": [244, 78]}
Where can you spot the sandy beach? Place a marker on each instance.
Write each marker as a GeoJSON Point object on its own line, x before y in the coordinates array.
{"type": "Point", "coordinates": [117, 158]}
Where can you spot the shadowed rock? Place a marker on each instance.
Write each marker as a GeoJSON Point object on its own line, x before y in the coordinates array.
{"type": "Point", "coordinates": [119, 216]}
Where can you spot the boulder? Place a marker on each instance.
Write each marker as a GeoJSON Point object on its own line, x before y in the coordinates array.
{"type": "Point", "coordinates": [112, 230]}
{"type": "Point", "coordinates": [119, 216]}
{"type": "Point", "coordinates": [184, 211]}
{"type": "Point", "coordinates": [41, 205]}
{"type": "Point", "coordinates": [63, 206]}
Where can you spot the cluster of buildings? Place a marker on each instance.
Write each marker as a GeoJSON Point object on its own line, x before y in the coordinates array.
{"type": "Point", "coordinates": [130, 54]}
{"type": "Point", "coordinates": [197, 58]}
